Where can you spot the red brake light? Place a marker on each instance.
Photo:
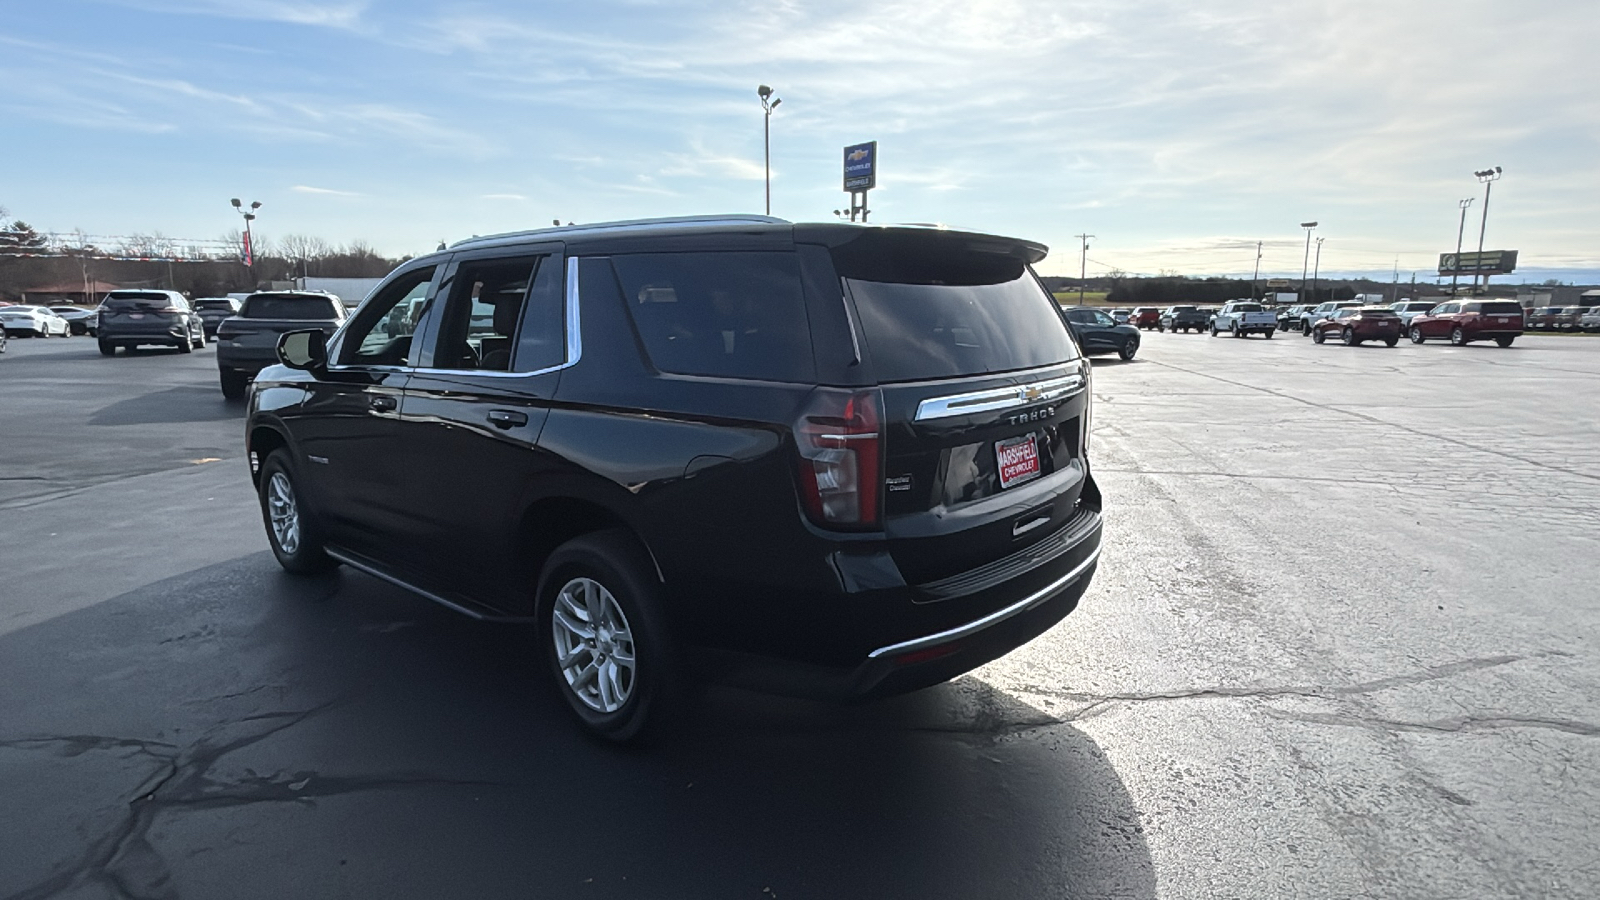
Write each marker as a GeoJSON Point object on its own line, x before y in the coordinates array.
{"type": "Point", "coordinates": [840, 439]}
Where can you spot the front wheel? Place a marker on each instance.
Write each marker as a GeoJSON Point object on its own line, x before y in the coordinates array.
{"type": "Point", "coordinates": [1213, 330]}
{"type": "Point", "coordinates": [1317, 336]}
{"type": "Point", "coordinates": [294, 538]}
{"type": "Point", "coordinates": [605, 637]}
{"type": "Point", "coordinates": [1129, 348]}
{"type": "Point", "coordinates": [1505, 341]}
{"type": "Point", "coordinates": [1416, 334]}
{"type": "Point", "coordinates": [1305, 329]}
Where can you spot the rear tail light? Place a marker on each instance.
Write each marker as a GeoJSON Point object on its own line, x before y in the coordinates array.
{"type": "Point", "coordinates": [840, 439]}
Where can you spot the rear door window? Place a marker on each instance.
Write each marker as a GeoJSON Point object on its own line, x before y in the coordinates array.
{"type": "Point", "coordinates": [930, 311]}
{"type": "Point", "coordinates": [729, 314]}
{"type": "Point", "coordinates": [1504, 308]}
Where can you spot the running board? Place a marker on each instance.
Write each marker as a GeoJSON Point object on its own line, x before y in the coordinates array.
{"type": "Point", "coordinates": [372, 569]}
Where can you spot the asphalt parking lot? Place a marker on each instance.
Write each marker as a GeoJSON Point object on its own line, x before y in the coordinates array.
{"type": "Point", "coordinates": [1342, 642]}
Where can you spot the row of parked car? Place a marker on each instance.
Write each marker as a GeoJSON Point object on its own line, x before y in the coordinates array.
{"type": "Point", "coordinates": [1564, 318]}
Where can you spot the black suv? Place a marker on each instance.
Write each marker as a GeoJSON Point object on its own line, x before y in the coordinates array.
{"type": "Point", "coordinates": [248, 341]}
{"type": "Point", "coordinates": [129, 318]}
{"type": "Point", "coordinates": [816, 459]}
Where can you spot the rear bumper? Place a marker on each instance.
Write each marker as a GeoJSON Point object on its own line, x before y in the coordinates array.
{"type": "Point", "coordinates": [1031, 602]}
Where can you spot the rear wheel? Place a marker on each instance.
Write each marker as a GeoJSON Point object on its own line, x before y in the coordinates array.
{"type": "Point", "coordinates": [107, 348]}
{"type": "Point", "coordinates": [1458, 337]}
{"type": "Point", "coordinates": [1213, 329]}
{"type": "Point", "coordinates": [293, 536]}
{"type": "Point", "coordinates": [1317, 336]}
{"type": "Point", "coordinates": [605, 637]}
{"type": "Point", "coordinates": [187, 344]}
{"type": "Point", "coordinates": [1505, 341]}
{"type": "Point", "coordinates": [1390, 342]}
{"type": "Point", "coordinates": [1269, 334]}
{"type": "Point", "coordinates": [234, 384]}
{"type": "Point", "coordinates": [1416, 334]}
{"type": "Point", "coordinates": [1349, 337]}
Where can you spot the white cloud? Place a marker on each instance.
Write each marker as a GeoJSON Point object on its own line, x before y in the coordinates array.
{"type": "Point", "coordinates": [326, 192]}
{"type": "Point", "coordinates": [515, 197]}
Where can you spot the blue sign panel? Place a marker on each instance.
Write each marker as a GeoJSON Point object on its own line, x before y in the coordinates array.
{"type": "Point", "coordinates": [861, 166]}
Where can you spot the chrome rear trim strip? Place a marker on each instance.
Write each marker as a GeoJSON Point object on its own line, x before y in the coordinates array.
{"type": "Point", "coordinates": [999, 398]}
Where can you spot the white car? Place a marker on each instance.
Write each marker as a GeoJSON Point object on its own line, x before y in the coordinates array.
{"type": "Point", "coordinates": [1410, 309]}
{"type": "Point", "coordinates": [34, 321]}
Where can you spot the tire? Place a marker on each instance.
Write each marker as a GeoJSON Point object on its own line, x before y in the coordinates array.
{"type": "Point", "coordinates": [1305, 329]}
{"type": "Point", "coordinates": [598, 603]}
{"type": "Point", "coordinates": [186, 345]}
{"type": "Point", "coordinates": [1458, 337]}
{"type": "Point", "coordinates": [1129, 348]}
{"type": "Point", "coordinates": [1416, 335]}
{"type": "Point", "coordinates": [1390, 342]}
{"type": "Point", "coordinates": [200, 340]}
{"type": "Point", "coordinates": [1317, 336]}
{"type": "Point", "coordinates": [234, 384]}
{"type": "Point", "coordinates": [1269, 334]}
{"type": "Point", "coordinates": [1349, 338]}
{"type": "Point", "coordinates": [1213, 329]}
{"type": "Point", "coordinates": [107, 348]}
{"type": "Point", "coordinates": [1505, 341]}
{"type": "Point", "coordinates": [1161, 328]}
{"type": "Point", "coordinates": [291, 532]}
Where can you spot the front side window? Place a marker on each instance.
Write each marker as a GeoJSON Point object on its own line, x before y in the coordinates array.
{"type": "Point", "coordinates": [382, 330]}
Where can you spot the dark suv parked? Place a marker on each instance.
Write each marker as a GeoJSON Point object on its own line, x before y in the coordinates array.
{"type": "Point", "coordinates": [247, 342]}
{"type": "Point", "coordinates": [133, 318]}
{"type": "Point", "coordinates": [814, 459]}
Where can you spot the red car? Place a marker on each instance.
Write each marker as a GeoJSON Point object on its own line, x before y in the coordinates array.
{"type": "Point", "coordinates": [1354, 324]}
{"type": "Point", "coordinates": [1465, 321]}
{"type": "Point", "coordinates": [1145, 318]}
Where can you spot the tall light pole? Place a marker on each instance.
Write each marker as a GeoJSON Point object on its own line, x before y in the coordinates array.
{"type": "Point", "coordinates": [1305, 265]}
{"type": "Point", "coordinates": [1316, 268]}
{"type": "Point", "coordinates": [249, 245]}
{"type": "Point", "coordinates": [1083, 264]}
{"type": "Point", "coordinates": [1255, 290]}
{"type": "Point", "coordinates": [768, 104]}
{"type": "Point", "coordinates": [1488, 177]}
{"type": "Point", "coordinates": [1460, 231]}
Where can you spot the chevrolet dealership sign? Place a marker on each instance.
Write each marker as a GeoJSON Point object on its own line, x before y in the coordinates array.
{"type": "Point", "coordinates": [1489, 262]}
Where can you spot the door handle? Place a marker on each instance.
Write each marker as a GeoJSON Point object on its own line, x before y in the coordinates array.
{"type": "Point", "coordinates": [383, 402]}
{"type": "Point", "coordinates": [505, 418]}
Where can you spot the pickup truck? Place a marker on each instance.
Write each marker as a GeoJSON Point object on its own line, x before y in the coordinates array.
{"type": "Point", "coordinates": [248, 342]}
{"type": "Point", "coordinates": [1243, 317]}
{"type": "Point", "coordinates": [1182, 318]}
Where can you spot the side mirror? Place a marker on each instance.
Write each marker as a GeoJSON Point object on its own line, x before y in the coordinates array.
{"type": "Point", "coordinates": [305, 350]}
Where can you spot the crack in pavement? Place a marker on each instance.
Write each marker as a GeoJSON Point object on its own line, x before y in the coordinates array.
{"type": "Point", "coordinates": [124, 861]}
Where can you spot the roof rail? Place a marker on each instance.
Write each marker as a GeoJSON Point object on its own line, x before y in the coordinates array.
{"type": "Point", "coordinates": [627, 224]}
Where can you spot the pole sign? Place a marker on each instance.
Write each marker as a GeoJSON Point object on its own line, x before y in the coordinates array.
{"type": "Point", "coordinates": [861, 166]}
{"type": "Point", "coordinates": [1489, 262]}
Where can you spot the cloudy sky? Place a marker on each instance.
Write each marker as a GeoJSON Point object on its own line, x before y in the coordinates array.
{"type": "Point", "coordinates": [1178, 133]}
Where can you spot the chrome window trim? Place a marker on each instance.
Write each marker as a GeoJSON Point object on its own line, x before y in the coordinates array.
{"type": "Point", "coordinates": [1000, 398]}
{"type": "Point", "coordinates": [574, 339]}
{"type": "Point", "coordinates": [999, 615]}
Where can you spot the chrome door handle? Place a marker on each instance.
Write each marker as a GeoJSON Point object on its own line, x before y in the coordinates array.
{"type": "Point", "coordinates": [505, 418]}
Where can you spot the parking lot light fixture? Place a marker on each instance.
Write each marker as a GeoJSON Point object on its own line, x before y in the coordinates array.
{"type": "Point", "coordinates": [1460, 232]}
{"type": "Point", "coordinates": [768, 104]}
{"type": "Point", "coordinates": [249, 214]}
{"type": "Point", "coordinates": [1488, 177]}
{"type": "Point", "coordinates": [1305, 264]}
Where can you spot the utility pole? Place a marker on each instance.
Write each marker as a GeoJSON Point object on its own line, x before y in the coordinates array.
{"type": "Point", "coordinates": [1316, 269]}
{"type": "Point", "coordinates": [1255, 290]}
{"type": "Point", "coordinates": [1305, 265]}
{"type": "Point", "coordinates": [1462, 230]}
{"type": "Point", "coordinates": [1395, 298]}
{"type": "Point", "coordinates": [1083, 264]}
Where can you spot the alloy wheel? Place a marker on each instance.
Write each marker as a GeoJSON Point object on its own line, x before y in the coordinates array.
{"type": "Point", "coordinates": [594, 645]}
{"type": "Point", "coordinates": [284, 513]}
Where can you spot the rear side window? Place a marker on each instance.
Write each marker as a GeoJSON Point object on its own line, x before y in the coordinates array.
{"type": "Point", "coordinates": [288, 306]}
{"type": "Point", "coordinates": [928, 310]}
{"type": "Point", "coordinates": [1503, 308]}
{"type": "Point", "coordinates": [732, 315]}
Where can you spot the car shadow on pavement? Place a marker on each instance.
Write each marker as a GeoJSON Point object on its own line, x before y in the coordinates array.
{"type": "Point", "coordinates": [193, 737]}
{"type": "Point", "coordinates": [174, 405]}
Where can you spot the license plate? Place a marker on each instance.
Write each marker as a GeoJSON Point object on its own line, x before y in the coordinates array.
{"type": "Point", "coordinates": [135, 315]}
{"type": "Point", "coordinates": [1502, 320]}
{"type": "Point", "coordinates": [1018, 460]}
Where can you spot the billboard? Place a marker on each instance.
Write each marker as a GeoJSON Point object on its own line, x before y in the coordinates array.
{"type": "Point", "coordinates": [861, 166]}
{"type": "Point", "coordinates": [1489, 262]}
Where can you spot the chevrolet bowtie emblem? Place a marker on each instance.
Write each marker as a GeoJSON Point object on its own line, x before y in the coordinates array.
{"type": "Point", "coordinates": [1031, 393]}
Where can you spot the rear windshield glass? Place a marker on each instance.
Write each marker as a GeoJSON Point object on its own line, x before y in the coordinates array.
{"type": "Point", "coordinates": [733, 315]}
{"type": "Point", "coordinates": [1185, 309]}
{"type": "Point", "coordinates": [214, 304]}
{"type": "Point", "coordinates": [1247, 307]}
{"type": "Point", "coordinates": [1503, 308]}
{"type": "Point", "coordinates": [136, 301]}
{"type": "Point", "coordinates": [287, 306]}
{"type": "Point", "coordinates": [932, 309]}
